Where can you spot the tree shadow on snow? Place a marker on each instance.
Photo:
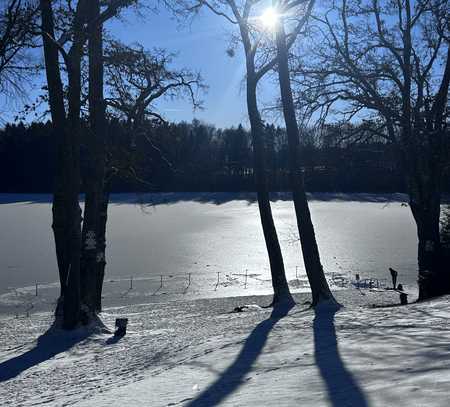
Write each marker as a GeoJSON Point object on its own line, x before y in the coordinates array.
{"type": "Point", "coordinates": [234, 376]}
{"type": "Point", "coordinates": [219, 198]}
{"type": "Point", "coordinates": [343, 389]}
{"type": "Point", "coordinates": [48, 345]}
{"type": "Point", "coordinates": [113, 339]}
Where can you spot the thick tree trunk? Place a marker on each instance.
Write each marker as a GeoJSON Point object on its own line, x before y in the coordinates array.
{"type": "Point", "coordinates": [423, 145]}
{"type": "Point", "coordinates": [95, 174]}
{"type": "Point", "coordinates": [66, 209]}
{"type": "Point", "coordinates": [282, 295]}
{"type": "Point", "coordinates": [319, 285]}
{"type": "Point", "coordinates": [71, 306]}
{"type": "Point", "coordinates": [281, 291]}
{"type": "Point", "coordinates": [101, 248]}
{"type": "Point", "coordinates": [66, 212]}
{"type": "Point", "coordinates": [58, 114]}
{"type": "Point", "coordinates": [425, 203]}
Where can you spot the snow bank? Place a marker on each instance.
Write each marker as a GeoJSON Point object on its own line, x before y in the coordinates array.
{"type": "Point", "coordinates": [197, 353]}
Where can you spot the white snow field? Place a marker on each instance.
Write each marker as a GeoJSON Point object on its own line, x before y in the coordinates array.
{"type": "Point", "coordinates": [196, 353]}
{"type": "Point", "coordinates": [174, 235]}
{"type": "Point", "coordinates": [177, 265]}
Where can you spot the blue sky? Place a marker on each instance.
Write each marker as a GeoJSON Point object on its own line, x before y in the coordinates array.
{"type": "Point", "coordinates": [200, 45]}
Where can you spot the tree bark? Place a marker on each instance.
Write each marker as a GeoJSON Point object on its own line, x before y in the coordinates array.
{"type": "Point", "coordinates": [424, 164]}
{"type": "Point", "coordinates": [66, 212]}
{"type": "Point", "coordinates": [72, 296]}
{"type": "Point", "coordinates": [431, 277]}
{"type": "Point", "coordinates": [101, 258]}
{"type": "Point", "coordinates": [311, 257]}
{"type": "Point", "coordinates": [58, 114]}
{"type": "Point", "coordinates": [92, 253]}
{"type": "Point", "coordinates": [280, 286]}
{"type": "Point", "coordinates": [279, 282]}
{"type": "Point", "coordinates": [66, 209]}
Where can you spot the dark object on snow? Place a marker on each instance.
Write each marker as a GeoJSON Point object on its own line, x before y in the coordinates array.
{"type": "Point", "coordinates": [403, 296]}
{"type": "Point", "coordinates": [394, 275]}
{"type": "Point", "coordinates": [403, 299]}
{"type": "Point", "coordinates": [240, 309]}
{"type": "Point", "coordinates": [84, 317]}
{"type": "Point", "coordinates": [121, 325]}
{"type": "Point", "coordinates": [357, 280]}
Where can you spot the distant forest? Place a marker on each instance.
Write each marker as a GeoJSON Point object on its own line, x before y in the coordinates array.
{"type": "Point", "coordinates": [200, 157]}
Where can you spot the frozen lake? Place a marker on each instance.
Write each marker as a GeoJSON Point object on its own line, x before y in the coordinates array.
{"type": "Point", "coordinates": [203, 234]}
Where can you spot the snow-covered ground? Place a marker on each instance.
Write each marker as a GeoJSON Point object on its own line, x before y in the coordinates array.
{"type": "Point", "coordinates": [24, 301]}
{"type": "Point", "coordinates": [177, 267]}
{"type": "Point", "coordinates": [197, 353]}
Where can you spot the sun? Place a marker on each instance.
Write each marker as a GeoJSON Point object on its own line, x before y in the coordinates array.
{"type": "Point", "coordinates": [269, 18]}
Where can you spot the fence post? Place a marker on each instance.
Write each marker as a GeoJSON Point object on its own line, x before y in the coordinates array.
{"type": "Point", "coordinates": [131, 282]}
{"type": "Point", "coordinates": [245, 284]}
{"type": "Point", "coordinates": [161, 281]}
{"type": "Point", "coordinates": [36, 289]}
{"type": "Point", "coordinates": [189, 280]}
{"type": "Point", "coordinates": [217, 284]}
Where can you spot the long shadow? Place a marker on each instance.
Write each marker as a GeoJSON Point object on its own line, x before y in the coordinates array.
{"type": "Point", "coordinates": [343, 389]}
{"type": "Point", "coordinates": [113, 340]}
{"type": "Point", "coordinates": [48, 345]}
{"type": "Point", "coordinates": [233, 377]}
{"type": "Point", "coordinates": [217, 198]}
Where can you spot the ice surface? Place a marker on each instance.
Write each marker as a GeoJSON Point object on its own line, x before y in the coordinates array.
{"type": "Point", "coordinates": [203, 234]}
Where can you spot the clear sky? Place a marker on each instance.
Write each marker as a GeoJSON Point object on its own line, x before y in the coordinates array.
{"type": "Point", "coordinates": [200, 45]}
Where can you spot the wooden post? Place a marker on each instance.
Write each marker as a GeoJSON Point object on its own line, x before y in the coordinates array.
{"type": "Point", "coordinates": [131, 282]}
{"type": "Point", "coordinates": [217, 284]}
{"type": "Point", "coordinates": [161, 282]}
{"type": "Point", "coordinates": [188, 283]}
{"type": "Point", "coordinates": [245, 284]}
{"type": "Point", "coordinates": [36, 289]}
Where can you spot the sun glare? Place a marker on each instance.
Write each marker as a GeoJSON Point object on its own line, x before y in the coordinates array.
{"type": "Point", "coordinates": [269, 18]}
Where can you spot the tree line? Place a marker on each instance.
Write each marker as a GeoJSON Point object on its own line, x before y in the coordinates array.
{"type": "Point", "coordinates": [199, 157]}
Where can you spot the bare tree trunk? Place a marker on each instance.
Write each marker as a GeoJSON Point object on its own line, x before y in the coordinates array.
{"type": "Point", "coordinates": [58, 114]}
{"type": "Point", "coordinates": [66, 211]}
{"type": "Point", "coordinates": [94, 182]}
{"type": "Point", "coordinates": [319, 285]}
{"type": "Point", "coordinates": [282, 295]}
{"type": "Point", "coordinates": [66, 208]}
{"type": "Point", "coordinates": [71, 304]}
{"type": "Point", "coordinates": [281, 291]}
{"type": "Point", "coordinates": [426, 214]}
{"type": "Point", "coordinates": [101, 247]}
{"type": "Point", "coordinates": [72, 295]}
{"type": "Point", "coordinates": [424, 187]}
{"type": "Point", "coordinates": [423, 164]}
